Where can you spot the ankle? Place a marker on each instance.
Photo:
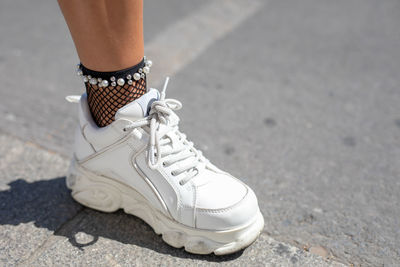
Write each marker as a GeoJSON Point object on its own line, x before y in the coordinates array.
{"type": "Point", "coordinates": [107, 92]}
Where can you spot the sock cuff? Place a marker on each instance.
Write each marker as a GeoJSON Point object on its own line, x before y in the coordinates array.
{"type": "Point", "coordinates": [117, 74]}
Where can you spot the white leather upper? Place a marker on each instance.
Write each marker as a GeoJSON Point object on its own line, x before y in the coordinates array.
{"type": "Point", "coordinates": [211, 200]}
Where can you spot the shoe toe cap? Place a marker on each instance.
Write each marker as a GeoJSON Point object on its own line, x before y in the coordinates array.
{"type": "Point", "coordinates": [229, 204]}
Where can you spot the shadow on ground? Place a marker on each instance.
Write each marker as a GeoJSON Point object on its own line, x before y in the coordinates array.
{"type": "Point", "coordinates": [48, 204]}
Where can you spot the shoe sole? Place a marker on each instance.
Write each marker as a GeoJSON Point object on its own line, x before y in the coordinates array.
{"type": "Point", "coordinates": [108, 195]}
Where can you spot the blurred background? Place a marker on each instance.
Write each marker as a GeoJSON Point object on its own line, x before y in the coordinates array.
{"type": "Point", "coordinates": [300, 99]}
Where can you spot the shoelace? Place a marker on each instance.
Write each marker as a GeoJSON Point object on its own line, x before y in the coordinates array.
{"type": "Point", "coordinates": [163, 123]}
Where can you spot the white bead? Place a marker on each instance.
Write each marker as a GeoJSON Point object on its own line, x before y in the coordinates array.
{"type": "Point", "coordinates": [113, 84]}
{"type": "Point", "coordinates": [85, 79]}
{"type": "Point", "coordinates": [104, 83]}
{"type": "Point", "coordinates": [99, 79]}
{"type": "Point", "coordinates": [89, 77]}
{"type": "Point", "coordinates": [146, 70]}
{"type": "Point", "coordinates": [79, 72]}
{"type": "Point", "coordinates": [136, 76]}
{"type": "Point", "coordinates": [142, 75]}
{"type": "Point", "coordinates": [129, 77]}
{"type": "Point", "coordinates": [121, 81]}
{"type": "Point", "coordinates": [130, 82]}
{"type": "Point", "coordinates": [140, 70]}
{"type": "Point", "coordinates": [112, 78]}
{"type": "Point", "coordinates": [93, 81]}
{"type": "Point", "coordinates": [149, 63]}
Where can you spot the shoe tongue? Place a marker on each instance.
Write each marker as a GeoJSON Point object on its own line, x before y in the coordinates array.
{"type": "Point", "coordinates": [139, 108]}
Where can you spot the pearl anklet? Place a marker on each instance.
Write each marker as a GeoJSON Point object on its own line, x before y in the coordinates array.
{"type": "Point", "coordinates": [114, 81]}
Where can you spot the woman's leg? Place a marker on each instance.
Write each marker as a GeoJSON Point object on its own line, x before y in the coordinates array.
{"type": "Point", "coordinates": [108, 36]}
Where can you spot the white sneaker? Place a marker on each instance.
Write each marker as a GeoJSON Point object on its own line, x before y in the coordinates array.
{"type": "Point", "coordinates": [143, 164]}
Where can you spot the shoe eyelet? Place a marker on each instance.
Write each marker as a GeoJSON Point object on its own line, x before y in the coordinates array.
{"type": "Point", "coordinates": [180, 183]}
{"type": "Point", "coordinates": [164, 164]}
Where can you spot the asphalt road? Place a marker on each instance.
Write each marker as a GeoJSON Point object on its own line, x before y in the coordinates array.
{"type": "Point", "coordinates": [298, 98]}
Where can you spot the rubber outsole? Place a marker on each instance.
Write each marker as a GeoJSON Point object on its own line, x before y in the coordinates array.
{"type": "Point", "coordinates": [108, 195]}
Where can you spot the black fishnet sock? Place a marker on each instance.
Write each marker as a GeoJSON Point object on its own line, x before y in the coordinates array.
{"type": "Point", "coordinates": [104, 102]}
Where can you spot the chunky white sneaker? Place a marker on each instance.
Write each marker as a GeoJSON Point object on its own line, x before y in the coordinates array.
{"type": "Point", "coordinates": [143, 164]}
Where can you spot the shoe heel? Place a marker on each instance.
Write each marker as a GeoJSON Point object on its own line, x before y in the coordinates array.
{"type": "Point", "coordinates": [91, 190]}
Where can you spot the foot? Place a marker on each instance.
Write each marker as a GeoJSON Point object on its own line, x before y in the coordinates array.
{"type": "Point", "coordinates": [143, 164]}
